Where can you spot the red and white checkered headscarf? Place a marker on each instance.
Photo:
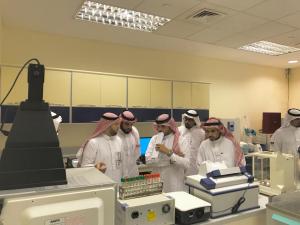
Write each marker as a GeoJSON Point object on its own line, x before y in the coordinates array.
{"type": "Point", "coordinates": [167, 120]}
{"type": "Point", "coordinates": [107, 119]}
{"type": "Point", "coordinates": [129, 117]}
{"type": "Point", "coordinates": [216, 123]}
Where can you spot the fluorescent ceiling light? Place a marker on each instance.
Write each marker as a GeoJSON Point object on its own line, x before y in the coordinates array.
{"type": "Point", "coordinates": [100, 13]}
{"type": "Point", "coordinates": [269, 48]}
{"type": "Point", "coordinates": [292, 61]}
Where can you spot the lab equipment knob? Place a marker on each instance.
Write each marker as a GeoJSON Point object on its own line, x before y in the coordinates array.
{"type": "Point", "coordinates": [166, 208]}
{"type": "Point", "coordinates": [134, 214]}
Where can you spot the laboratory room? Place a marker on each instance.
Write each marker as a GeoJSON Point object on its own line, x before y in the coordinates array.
{"type": "Point", "coordinates": [150, 112]}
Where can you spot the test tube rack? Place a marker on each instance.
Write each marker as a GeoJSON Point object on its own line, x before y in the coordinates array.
{"type": "Point", "coordinates": [144, 185]}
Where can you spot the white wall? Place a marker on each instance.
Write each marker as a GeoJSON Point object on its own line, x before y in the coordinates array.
{"type": "Point", "coordinates": [294, 87]}
{"type": "Point", "coordinates": [237, 89]}
{"type": "Point", "coordinates": [1, 35]}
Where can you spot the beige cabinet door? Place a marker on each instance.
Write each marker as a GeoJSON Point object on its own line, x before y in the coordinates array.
{"type": "Point", "coordinates": [161, 94]}
{"type": "Point", "coordinates": [113, 91]}
{"type": "Point", "coordinates": [182, 92]}
{"type": "Point", "coordinates": [138, 93]}
{"type": "Point", "coordinates": [86, 89]}
{"type": "Point", "coordinates": [20, 90]}
{"type": "Point", "coordinates": [200, 96]}
{"type": "Point", "coordinates": [57, 88]}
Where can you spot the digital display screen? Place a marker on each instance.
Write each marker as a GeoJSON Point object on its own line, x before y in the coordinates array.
{"type": "Point", "coordinates": [144, 141]}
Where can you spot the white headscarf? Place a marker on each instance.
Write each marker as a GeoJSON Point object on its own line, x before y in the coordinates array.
{"type": "Point", "coordinates": [57, 119]}
{"type": "Point", "coordinates": [290, 116]}
{"type": "Point", "coordinates": [193, 115]}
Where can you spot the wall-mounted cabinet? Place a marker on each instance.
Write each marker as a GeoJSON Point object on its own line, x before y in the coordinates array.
{"type": "Point", "coordinates": [200, 96]}
{"type": "Point", "coordinates": [20, 90]}
{"type": "Point", "coordinates": [57, 86]}
{"type": "Point", "coordinates": [91, 91]}
{"type": "Point", "coordinates": [113, 91]}
{"type": "Point", "coordinates": [86, 89]}
{"type": "Point", "coordinates": [98, 90]}
{"type": "Point", "coordinates": [161, 94]}
{"type": "Point", "coordinates": [182, 93]}
{"type": "Point", "coordinates": [139, 93]}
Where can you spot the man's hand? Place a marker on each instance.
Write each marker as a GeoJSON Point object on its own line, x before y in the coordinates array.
{"type": "Point", "coordinates": [163, 149]}
{"type": "Point", "coordinates": [101, 166]}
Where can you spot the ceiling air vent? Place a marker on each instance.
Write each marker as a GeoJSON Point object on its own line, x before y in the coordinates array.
{"type": "Point", "coordinates": [205, 16]}
{"type": "Point", "coordinates": [205, 13]}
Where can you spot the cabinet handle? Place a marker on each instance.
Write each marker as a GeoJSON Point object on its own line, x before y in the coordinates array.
{"type": "Point", "coordinates": [115, 106]}
{"type": "Point", "coordinates": [85, 105]}
{"type": "Point", "coordinates": [138, 106]}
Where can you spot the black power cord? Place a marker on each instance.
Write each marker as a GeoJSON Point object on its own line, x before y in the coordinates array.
{"type": "Point", "coordinates": [5, 132]}
{"type": "Point", "coordinates": [236, 206]}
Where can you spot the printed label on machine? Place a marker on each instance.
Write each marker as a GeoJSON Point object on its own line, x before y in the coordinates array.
{"type": "Point", "coordinates": [57, 221]}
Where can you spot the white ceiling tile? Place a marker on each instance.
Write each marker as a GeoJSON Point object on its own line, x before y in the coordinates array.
{"type": "Point", "coordinates": [210, 35]}
{"type": "Point", "coordinates": [37, 16]}
{"type": "Point", "coordinates": [239, 23]}
{"type": "Point", "coordinates": [178, 29]}
{"type": "Point", "coordinates": [239, 5]}
{"type": "Point", "coordinates": [166, 8]}
{"type": "Point", "coordinates": [236, 41]}
{"type": "Point", "coordinates": [128, 4]}
{"type": "Point", "coordinates": [292, 20]}
{"type": "Point", "coordinates": [224, 12]}
{"type": "Point", "coordinates": [275, 9]}
{"type": "Point", "coordinates": [267, 30]}
{"type": "Point", "coordinates": [290, 38]}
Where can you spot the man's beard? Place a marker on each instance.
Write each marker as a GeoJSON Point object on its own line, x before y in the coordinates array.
{"type": "Point", "coordinates": [188, 126]}
{"type": "Point", "coordinates": [126, 131]}
{"type": "Point", "coordinates": [113, 133]}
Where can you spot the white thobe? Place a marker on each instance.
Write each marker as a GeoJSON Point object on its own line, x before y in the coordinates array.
{"type": "Point", "coordinates": [131, 152]}
{"type": "Point", "coordinates": [286, 140]}
{"type": "Point", "coordinates": [217, 151]}
{"type": "Point", "coordinates": [107, 150]}
{"type": "Point", "coordinates": [171, 169]}
{"type": "Point", "coordinates": [193, 137]}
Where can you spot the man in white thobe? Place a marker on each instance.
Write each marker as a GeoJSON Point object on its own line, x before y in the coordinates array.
{"type": "Point", "coordinates": [192, 133]}
{"type": "Point", "coordinates": [131, 143]}
{"type": "Point", "coordinates": [172, 156]}
{"type": "Point", "coordinates": [104, 148]}
{"type": "Point", "coordinates": [220, 146]}
{"type": "Point", "coordinates": [286, 139]}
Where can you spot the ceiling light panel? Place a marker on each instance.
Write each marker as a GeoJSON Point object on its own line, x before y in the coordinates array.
{"type": "Point", "coordinates": [292, 61]}
{"type": "Point", "coordinates": [269, 48]}
{"type": "Point", "coordinates": [110, 15]}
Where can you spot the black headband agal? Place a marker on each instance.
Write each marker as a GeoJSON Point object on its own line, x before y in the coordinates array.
{"type": "Point", "coordinates": [213, 124]}
{"type": "Point", "coordinates": [126, 118]}
{"type": "Point", "coordinates": [163, 121]}
{"type": "Point", "coordinates": [109, 118]}
{"type": "Point", "coordinates": [191, 114]}
{"type": "Point", "coordinates": [55, 116]}
{"type": "Point", "coordinates": [293, 114]}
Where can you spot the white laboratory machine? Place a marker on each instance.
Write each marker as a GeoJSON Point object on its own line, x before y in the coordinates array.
{"type": "Point", "coordinates": [141, 202]}
{"type": "Point", "coordinates": [88, 198]}
{"type": "Point", "coordinates": [189, 209]}
{"type": "Point", "coordinates": [274, 171]}
{"type": "Point", "coordinates": [156, 209]}
{"type": "Point", "coordinates": [228, 190]}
